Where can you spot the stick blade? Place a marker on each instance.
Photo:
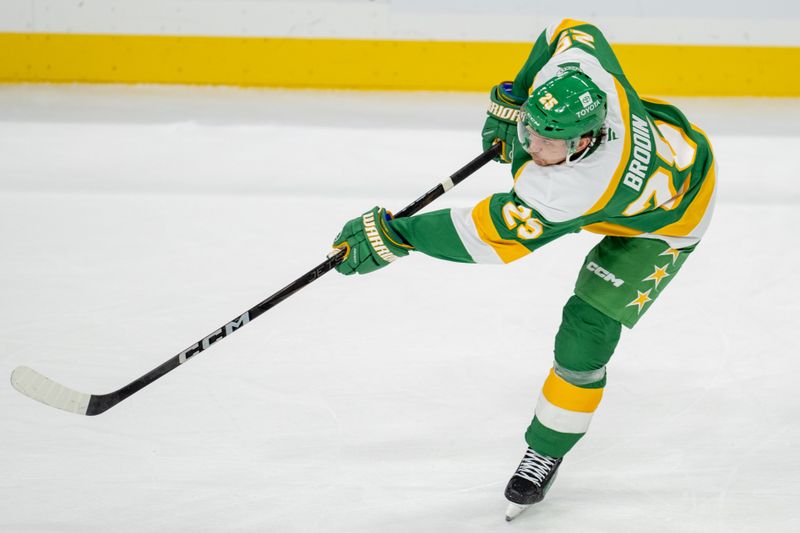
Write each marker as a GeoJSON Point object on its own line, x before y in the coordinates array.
{"type": "Point", "coordinates": [43, 389]}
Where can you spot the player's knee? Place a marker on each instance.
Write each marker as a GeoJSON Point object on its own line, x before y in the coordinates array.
{"type": "Point", "coordinates": [585, 342]}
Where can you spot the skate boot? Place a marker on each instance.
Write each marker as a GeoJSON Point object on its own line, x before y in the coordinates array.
{"type": "Point", "coordinates": [530, 482]}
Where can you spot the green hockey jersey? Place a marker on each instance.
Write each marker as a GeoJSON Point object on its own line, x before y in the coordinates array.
{"type": "Point", "coordinates": [652, 176]}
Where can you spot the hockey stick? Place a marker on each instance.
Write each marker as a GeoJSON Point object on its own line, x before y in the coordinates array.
{"type": "Point", "coordinates": [39, 387]}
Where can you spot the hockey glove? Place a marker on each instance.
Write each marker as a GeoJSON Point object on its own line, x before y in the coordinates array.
{"type": "Point", "coordinates": [501, 123]}
{"type": "Point", "coordinates": [369, 242]}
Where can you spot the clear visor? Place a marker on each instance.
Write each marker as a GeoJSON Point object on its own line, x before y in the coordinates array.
{"type": "Point", "coordinates": [535, 143]}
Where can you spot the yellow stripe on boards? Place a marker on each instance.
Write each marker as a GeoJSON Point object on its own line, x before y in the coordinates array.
{"type": "Point", "coordinates": [508, 250]}
{"type": "Point", "coordinates": [267, 62]}
{"type": "Point", "coordinates": [701, 70]}
{"type": "Point", "coordinates": [375, 64]}
{"type": "Point", "coordinates": [565, 395]}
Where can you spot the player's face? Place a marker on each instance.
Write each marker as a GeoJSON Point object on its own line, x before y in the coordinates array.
{"type": "Point", "coordinates": [544, 151]}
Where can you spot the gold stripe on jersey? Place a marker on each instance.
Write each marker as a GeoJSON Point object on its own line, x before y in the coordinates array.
{"type": "Point", "coordinates": [613, 230]}
{"type": "Point", "coordinates": [520, 169]}
{"type": "Point", "coordinates": [565, 395]}
{"type": "Point", "coordinates": [625, 113]}
{"type": "Point", "coordinates": [508, 250]}
{"type": "Point", "coordinates": [565, 25]}
{"type": "Point", "coordinates": [696, 210]}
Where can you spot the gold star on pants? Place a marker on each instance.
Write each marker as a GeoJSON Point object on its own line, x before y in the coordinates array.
{"type": "Point", "coordinates": [673, 252]}
{"type": "Point", "coordinates": [641, 300]}
{"type": "Point", "coordinates": [659, 274]}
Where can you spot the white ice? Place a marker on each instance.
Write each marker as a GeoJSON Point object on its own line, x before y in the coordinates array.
{"type": "Point", "coordinates": [135, 220]}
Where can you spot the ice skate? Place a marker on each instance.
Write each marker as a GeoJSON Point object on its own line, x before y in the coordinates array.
{"type": "Point", "coordinates": [529, 484]}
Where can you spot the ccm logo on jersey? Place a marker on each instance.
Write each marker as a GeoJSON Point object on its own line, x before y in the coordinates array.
{"type": "Point", "coordinates": [601, 272]}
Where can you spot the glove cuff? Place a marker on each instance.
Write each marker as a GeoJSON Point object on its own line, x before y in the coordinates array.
{"type": "Point", "coordinates": [384, 242]}
{"type": "Point", "coordinates": [505, 92]}
{"type": "Point", "coordinates": [503, 105]}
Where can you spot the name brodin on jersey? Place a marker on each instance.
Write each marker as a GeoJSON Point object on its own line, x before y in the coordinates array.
{"type": "Point", "coordinates": [642, 153]}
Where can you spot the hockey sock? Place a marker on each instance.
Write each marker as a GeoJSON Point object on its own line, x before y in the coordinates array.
{"type": "Point", "coordinates": [573, 390]}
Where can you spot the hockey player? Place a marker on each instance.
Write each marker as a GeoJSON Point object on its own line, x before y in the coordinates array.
{"type": "Point", "coordinates": [586, 153]}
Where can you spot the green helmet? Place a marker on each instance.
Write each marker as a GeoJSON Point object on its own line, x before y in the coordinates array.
{"type": "Point", "coordinates": [566, 107]}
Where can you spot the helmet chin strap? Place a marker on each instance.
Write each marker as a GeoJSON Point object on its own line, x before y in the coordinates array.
{"type": "Point", "coordinates": [572, 146]}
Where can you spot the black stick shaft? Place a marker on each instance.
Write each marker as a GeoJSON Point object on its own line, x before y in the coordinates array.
{"type": "Point", "coordinates": [99, 403]}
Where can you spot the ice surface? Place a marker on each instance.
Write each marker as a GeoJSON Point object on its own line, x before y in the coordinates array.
{"type": "Point", "coordinates": [136, 220]}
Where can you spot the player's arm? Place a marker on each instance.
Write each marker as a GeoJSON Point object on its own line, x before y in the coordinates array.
{"type": "Point", "coordinates": [539, 56]}
{"type": "Point", "coordinates": [560, 37]}
{"type": "Point", "coordinates": [500, 229]}
{"type": "Point", "coordinates": [506, 98]}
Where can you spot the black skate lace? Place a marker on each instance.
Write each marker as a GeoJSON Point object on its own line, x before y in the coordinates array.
{"type": "Point", "coordinates": [535, 467]}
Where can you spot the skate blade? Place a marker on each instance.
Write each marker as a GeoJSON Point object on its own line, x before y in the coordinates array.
{"type": "Point", "coordinates": [514, 510]}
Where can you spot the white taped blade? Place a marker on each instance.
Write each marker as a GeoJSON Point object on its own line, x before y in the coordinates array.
{"type": "Point", "coordinates": [43, 389]}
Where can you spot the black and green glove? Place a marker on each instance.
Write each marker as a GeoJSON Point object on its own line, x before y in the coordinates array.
{"type": "Point", "coordinates": [369, 242]}
{"type": "Point", "coordinates": [501, 123]}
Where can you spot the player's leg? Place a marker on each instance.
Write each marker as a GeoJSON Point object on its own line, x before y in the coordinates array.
{"type": "Point", "coordinates": [572, 391]}
{"type": "Point", "coordinates": [585, 342]}
{"type": "Point", "coordinates": [618, 282]}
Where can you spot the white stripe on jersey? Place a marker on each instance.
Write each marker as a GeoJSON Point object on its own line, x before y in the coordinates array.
{"type": "Point", "coordinates": [468, 233]}
{"type": "Point", "coordinates": [560, 193]}
{"type": "Point", "coordinates": [551, 28]}
{"type": "Point", "coordinates": [701, 227]}
{"type": "Point", "coordinates": [673, 242]}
